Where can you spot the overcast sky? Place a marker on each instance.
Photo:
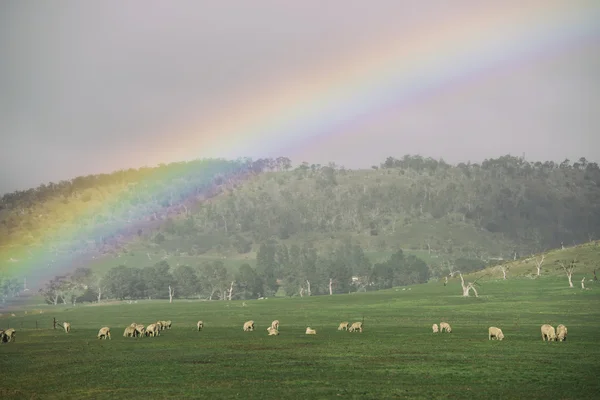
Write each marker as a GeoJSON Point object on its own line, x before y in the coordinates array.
{"type": "Point", "coordinates": [95, 86]}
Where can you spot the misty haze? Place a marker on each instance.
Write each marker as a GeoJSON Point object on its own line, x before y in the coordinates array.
{"type": "Point", "coordinates": [268, 199]}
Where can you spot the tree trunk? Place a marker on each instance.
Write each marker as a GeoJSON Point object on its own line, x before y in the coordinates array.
{"type": "Point", "coordinates": [301, 291]}
{"type": "Point", "coordinates": [570, 276]}
{"type": "Point", "coordinates": [582, 283]}
{"type": "Point", "coordinates": [504, 273]}
{"type": "Point", "coordinates": [171, 293]}
{"type": "Point", "coordinates": [230, 290]}
{"type": "Point", "coordinates": [308, 288]}
{"type": "Point", "coordinates": [330, 286]}
{"type": "Point", "coordinates": [99, 294]}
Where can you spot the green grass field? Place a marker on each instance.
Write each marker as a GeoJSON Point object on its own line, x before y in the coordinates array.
{"type": "Point", "coordinates": [397, 356]}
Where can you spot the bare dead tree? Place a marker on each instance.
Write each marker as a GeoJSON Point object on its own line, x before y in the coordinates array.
{"type": "Point", "coordinates": [301, 291]}
{"type": "Point", "coordinates": [595, 277]}
{"type": "Point", "coordinates": [171, 293]}
{"type": "Point", "coordinates": [446, 280]}
{"type": "Point", "coordinates": [582, 283]}
{"type": "Point", "coordinates": [504, 268]}
{"type": "Point", "coordinates": [330, 286]}
{"type": "Point", "coordinates": [568, 270]}
{"type": "Point", "coordinates": [230, 291]}
{"type": "Point", "coordinates": [468, 286]}
{"type": "Point", "coordinates": [538, 264]}
{"type": "Point", "coordinates": [308, 288]}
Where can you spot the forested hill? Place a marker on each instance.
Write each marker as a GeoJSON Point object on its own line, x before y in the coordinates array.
{"type": "Point", "coordinates": [494, 209]}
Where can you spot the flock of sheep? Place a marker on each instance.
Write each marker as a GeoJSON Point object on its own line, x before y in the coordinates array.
{"type": "Point", "coordinates": [273, 330]}
{"type": "Point", "coordinates": [548, 332]}
{"type": "Point", "coordinates": [138, 330]}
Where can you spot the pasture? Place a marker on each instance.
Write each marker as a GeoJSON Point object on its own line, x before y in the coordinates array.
{"type": "Point", "coordinates": [397, 356]}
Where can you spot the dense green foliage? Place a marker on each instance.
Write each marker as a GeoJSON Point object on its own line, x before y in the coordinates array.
{"type": "Point", "coordinates": [311, 223]}
{"type": "Point", "coordinates": [396, 356]}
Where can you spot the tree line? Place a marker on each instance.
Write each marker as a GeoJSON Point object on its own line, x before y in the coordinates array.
{"type": "Point", "coordinates": [294, 271]}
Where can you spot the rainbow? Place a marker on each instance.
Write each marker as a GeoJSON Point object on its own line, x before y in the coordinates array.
{"type": "Point", "coordinates": [294, 111]}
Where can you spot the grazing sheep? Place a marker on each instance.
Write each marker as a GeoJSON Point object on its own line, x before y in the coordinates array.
{"type": "Point", "coordinates": [561, 333]}
{"type": "Point", "coordinates": [496, 333]}
{"type": "Point", "coordinates": [272, 331]}
{"type": "Point", "coordinates": [275, 324]}
{"type": "Point", "coordinates": [152, 330]}
{"type": "Point", "coordinates": [356, 326]}
{"type": "Point", "coordinates": [8, 335]}
{"type": "Point", "coordinates": [168, 324]}
{"type": "Point", "coordinates": [343, 326]}
{"type": "Point", "coordinates": [67, 327]}
{"type": "Point", "coordinates": [548, 333]}
{"type": "Point", "coordinates": [139, 330]}
{"type": "Point", "coordinates": [159, 325]}
{"type": "Point", "coordinates": [104, 333]}
{"type": "Point", "coordinates": [435, 328]}
{"type": "Point", "coordinates": [310, 331]}
{"type": "Point", "coordinates": [200, 325]}
{"type": "Point", "coordinates": [444, 326]}
{"type": "Point", "coordinates": [248, 326]}
{"type": "Point", "coordinates": [129, 331]}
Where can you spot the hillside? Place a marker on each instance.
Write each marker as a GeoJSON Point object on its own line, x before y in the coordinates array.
{"type": "Point", "coordinates": [210, 210]}
{"type": "Point", "coordinates": [586, 257]}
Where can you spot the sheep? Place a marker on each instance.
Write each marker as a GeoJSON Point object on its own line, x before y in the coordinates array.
{"type": "Point", "coordinates": [248, 326]}
{"type": "Point", "coordinates": [168, 324]}
{"type": "Point", "coordinates": [104, 333]}
{"type": "Point", "coordinates": [444, 326]}
{"type": "Point", "coordinates": [8, 335]}
{"type": "Point", "coordinates": [548, 333]}
{"type": "Point", "coordinates": [67, 327]}
{"type": "Point", "coordinates": [272, 331]}
{"type": "Point", "coordinates": [561, 333]}
{"type": "Point", "coordinates": [275, 324]}
{"type": "Point", "coordinates": [200, 325]}
{"type": "Point", "coordinates": [496, 333]}
{"type": "Point", "coordinates": [435, 328]}
{"type": "Point", "coordinates": [356, 326]}
{"type": "Point", "coordinates": [139, 330]}
{"type": "Point", "coordinates": [310, 331]}
{"type": "Point", "coordinates": [159, 325]}
{"type": "Point", "coordinates": [343, 326]}
{"type": "Point", "coordinates": [152, 330]}
{"type": "Point", "coordinates": [129, 331]}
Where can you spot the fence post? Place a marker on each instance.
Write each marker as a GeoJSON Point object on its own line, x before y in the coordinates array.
{"type": "Point", "coordinates": [54, 323]}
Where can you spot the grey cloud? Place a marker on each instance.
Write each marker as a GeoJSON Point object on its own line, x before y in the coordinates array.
{"type": "Point", "coordinates": [88, 87]}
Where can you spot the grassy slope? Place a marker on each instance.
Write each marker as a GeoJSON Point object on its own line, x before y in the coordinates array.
{"type": "Point", "coordinates": [396, 356]}
{"type": "Point", "coordinates": [587, 256]}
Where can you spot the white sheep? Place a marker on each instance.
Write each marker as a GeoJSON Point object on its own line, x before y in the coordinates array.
{"type": "Point", "coordinates": [561, 333]}
{"type": "Point", "coordinates": [548, 332]}
{"type": "Point", "coordinates": [8, 335]}
{"type": "Point", "coordinates": [200, 325]}
{"type": "Point", "coordinates": [356, 326]}
{"type": "Point", "coordinates": [275, 324]}
{"type": "Point", "coordinates": [496, 333]}
{"type": "Point", "coordinates": [310, 331]}
{"type": "Point", "coordinates": [272, 331]}
{"type": "Point", "coordinates": [248, 326]}
{"type": "Point", "coordinates": [435, 328]}
{"type": "Point", "coordinates": [343, 326]}
{"type": "Point", "coordinates": [444, 326]}
{"type": "Point", "coordinates": [104, 333]}
{"type": "Point", "coordinates": [67, 327]}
